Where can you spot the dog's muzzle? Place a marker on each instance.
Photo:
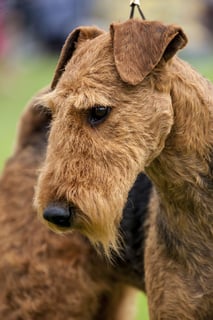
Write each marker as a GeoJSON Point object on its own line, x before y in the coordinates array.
{"type": "Point", "coordinates": [61, 216]}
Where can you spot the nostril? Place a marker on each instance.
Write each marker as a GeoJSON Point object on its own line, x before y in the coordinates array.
{"type": "Point", "coordinates": [60, 216]}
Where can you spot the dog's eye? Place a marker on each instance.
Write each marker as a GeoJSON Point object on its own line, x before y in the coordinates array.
{"type": "Point", "coordinates": [98, 114]}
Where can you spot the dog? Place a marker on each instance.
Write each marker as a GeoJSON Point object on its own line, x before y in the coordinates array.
{"type": "Point", "coordinates": [45, 276]}
{"type": "Point", "coordinates": [122, 103]}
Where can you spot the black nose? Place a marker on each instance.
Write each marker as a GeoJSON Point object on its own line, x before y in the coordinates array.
{"type": "Point", "coordinates": [58, 215]}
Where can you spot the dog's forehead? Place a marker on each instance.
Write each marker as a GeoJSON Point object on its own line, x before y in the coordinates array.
{"type": "Point", "coordinates": [91, 76]}
{"type": "Point", "coordinates": [93, 44]}
{"type": "Point", "coordinates": [91, 55]}
{"type": "Point", "coordinates": [91, 68]}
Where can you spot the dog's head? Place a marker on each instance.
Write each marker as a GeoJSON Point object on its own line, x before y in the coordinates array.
{"type": "Point", "coordinates": [112, 111]}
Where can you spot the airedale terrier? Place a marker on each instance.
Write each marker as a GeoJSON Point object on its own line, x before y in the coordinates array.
{"type": "Point", "coordinates": [124, 103]}
{"type": "Point", "coordinates": [44, 276]}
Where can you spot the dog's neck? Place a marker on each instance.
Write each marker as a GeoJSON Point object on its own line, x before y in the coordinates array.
{"type": "Point", "coordinates": [183, 173]}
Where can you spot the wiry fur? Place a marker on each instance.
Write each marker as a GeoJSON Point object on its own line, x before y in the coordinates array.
{"type": "Point", "coordinates": [45, 276]}
{"type": "Point", "coordinates": [93, 80]}
{"type": "Point", "coordinates": [161, 122]}
{"type": "Point", "coordinates": [180, 242]}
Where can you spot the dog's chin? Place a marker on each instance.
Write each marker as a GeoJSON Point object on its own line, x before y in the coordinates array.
{"type": "Point", "coordinates": [96, 234]}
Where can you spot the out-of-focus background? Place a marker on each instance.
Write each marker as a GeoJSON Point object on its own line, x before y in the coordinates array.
{"type": "Point", "coordinates": [33, 31]}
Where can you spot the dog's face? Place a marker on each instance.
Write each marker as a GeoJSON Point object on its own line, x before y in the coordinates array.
{"type": "Point", "coordinates": [112, 112]}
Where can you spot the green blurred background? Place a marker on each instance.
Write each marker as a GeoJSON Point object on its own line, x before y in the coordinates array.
{"type": "Point", "coordinates": [26, 65]}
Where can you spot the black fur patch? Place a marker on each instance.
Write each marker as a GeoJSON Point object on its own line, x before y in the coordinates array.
{"type": "Point", "coordinates": [131, 262]}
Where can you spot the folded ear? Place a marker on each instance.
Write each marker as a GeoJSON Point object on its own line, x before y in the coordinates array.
{"type": "Point", "coordinates": [77, 35]}
{"type": "Point", "coordinates": [140, 45]}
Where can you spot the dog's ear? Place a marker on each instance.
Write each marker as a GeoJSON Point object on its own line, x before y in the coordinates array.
{"type": "Point", "coordinates": [77, 35]}
{"type": "Point", "coordinates": [139, 46]}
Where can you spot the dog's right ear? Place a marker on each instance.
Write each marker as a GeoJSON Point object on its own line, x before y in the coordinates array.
{"type": "Point", "coordinates": [77, 35]}
{"type": "Point", "coordinates": [138, 47]}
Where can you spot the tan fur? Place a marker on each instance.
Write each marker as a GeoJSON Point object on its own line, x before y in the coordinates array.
{"type": "Point", "coordinates": [161, 121]}
{"type": "Point", "coordinates": [42, 275]}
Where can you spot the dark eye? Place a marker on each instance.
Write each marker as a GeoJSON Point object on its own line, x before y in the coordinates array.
{"type": "Point", "coordinates": [98, 114]}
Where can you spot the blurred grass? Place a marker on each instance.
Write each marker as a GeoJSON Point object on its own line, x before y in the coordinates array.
{"type": "Point", "coordinates": [18, 82]}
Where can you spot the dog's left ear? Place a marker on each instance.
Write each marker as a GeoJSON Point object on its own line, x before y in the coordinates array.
{"type": "Point", "coordinates": [139, 46]}
{"type": "Point", "coordinates": [79, 34]}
